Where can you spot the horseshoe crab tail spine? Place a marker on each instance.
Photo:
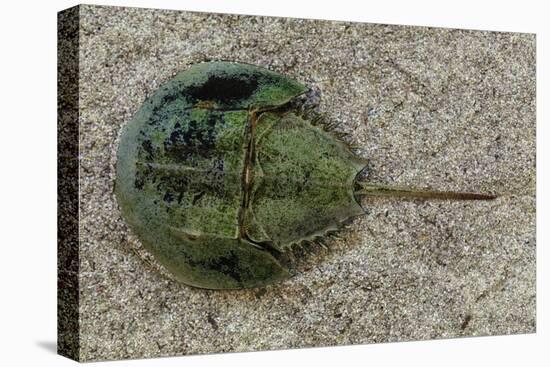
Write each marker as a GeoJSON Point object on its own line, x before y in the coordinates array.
{"type": "Point", "coordinates": [368, 189]}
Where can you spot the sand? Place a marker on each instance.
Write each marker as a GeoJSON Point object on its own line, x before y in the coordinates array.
{"type": "Point", "coordinates": [438, 108]}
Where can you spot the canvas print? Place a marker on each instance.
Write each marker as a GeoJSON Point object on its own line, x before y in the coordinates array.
{"type": "Point", "coordinates": [242, 183]}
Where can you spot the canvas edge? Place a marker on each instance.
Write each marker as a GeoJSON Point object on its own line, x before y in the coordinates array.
{"type": "Point", "coordinates": [68, 326]}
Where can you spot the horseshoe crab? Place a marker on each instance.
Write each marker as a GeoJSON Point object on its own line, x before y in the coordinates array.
{"type": "Point", "coordinates": [219, 176]}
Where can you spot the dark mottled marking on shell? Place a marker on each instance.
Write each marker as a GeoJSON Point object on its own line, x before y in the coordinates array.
{"type": "Point", "coordinates": [224, 89]}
